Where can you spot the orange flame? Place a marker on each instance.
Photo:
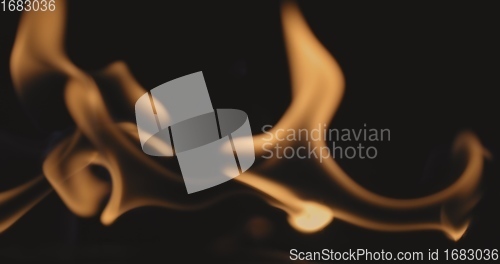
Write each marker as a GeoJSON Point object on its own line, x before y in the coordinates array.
{"type": "Point", "coordinates": [318, 85]}
{"type": "Point", "coordinates": [139, 180]}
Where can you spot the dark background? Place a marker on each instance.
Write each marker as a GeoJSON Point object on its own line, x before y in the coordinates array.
{"type": "Point", "coordinates": [425, 71]}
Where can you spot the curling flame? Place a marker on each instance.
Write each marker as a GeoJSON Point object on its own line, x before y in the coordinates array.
{"type": "Point", "coordinates": [312, 217]}
{"type": "Point", "coordinates": [318, 85]}
{"type": "Point", "coordinates": [305, 216]}
{"type": "Point", "coordinates": [140, 180]}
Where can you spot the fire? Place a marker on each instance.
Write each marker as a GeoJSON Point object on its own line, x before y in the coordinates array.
{"type": "Point", "coordinates": [305, 216]}
{"type": "Point", "coordinates": [313, 217]}
{"type": "Point", "coordinates": [138, 180]}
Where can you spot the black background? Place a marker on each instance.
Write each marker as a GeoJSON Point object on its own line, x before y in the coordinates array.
{"type": "Point", "coordinates": [425, 71]}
